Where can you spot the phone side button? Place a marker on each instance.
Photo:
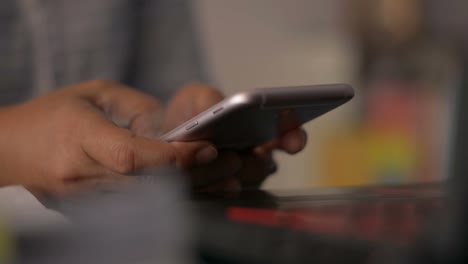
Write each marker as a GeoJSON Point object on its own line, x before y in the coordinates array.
{"type": "Point", "coordinates": [191, 125]}
{"type": "Point", "coordinates": [218, 110]}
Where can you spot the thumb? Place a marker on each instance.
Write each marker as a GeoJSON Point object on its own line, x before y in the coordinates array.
{"type": "Point", "coordinates": [124, 152]}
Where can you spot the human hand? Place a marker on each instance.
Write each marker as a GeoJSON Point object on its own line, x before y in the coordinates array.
{"type": "Point", "coordinates": [230, 171]}
{"type": "Point", "coordinates": [87, 135]}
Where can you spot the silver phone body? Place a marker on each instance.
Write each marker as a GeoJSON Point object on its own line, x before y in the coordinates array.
{"type": "Point", "coordinates": [254, 117]}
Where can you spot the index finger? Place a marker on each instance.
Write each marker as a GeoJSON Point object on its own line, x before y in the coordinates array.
{"type": "Point", "coordinates": [125, 106]}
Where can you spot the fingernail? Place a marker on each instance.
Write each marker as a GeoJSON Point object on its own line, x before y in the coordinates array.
{"type": "Point", "coordinates": [206, 155]}
{"type": "Point", "coordinates": [297, 141]}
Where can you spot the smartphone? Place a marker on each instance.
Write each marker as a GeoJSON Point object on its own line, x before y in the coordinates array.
{"type": "Point", "coordinates": [257, 116]}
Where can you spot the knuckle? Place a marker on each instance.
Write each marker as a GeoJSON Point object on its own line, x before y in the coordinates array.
{"type": "Point", "coordinates": [102, 83]}
{"type": "Point", "coordinates": [204, 88]}
{"type": "Point", "coordinates": [197, 86]}
{"type": "Point", "coordinates": [62, 171]}
{"type": "Point", "coordinates": [147, 101]}
{"type": "Point", "coordinates": [124, 157]}
{"type": "Point", "coordinates": [152, 105]}
{"type": "Point", "coordinates": [67, 115]}
{"type": "Point", "coordinates": [170, 156]}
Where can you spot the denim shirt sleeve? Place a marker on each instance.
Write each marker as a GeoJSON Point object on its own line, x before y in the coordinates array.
{"type": "Point", "coordinates": [148, 44]}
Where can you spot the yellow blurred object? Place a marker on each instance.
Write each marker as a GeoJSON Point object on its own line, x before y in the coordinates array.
{"type": "Point", "coordinates": [392, 158]}
{"type": "Point", "coordinates": [368, 157]}
{"type": "Point", "coordinates": [343, 161]}
{"type": "Point", "coordinates": [6, 245]}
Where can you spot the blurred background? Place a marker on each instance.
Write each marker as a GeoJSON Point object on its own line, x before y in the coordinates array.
{"type": "Point", "coordinates": [403, 57]}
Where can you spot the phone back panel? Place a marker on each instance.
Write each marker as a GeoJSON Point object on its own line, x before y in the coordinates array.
{"type": "Point", "coordinates": [259, 116]}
